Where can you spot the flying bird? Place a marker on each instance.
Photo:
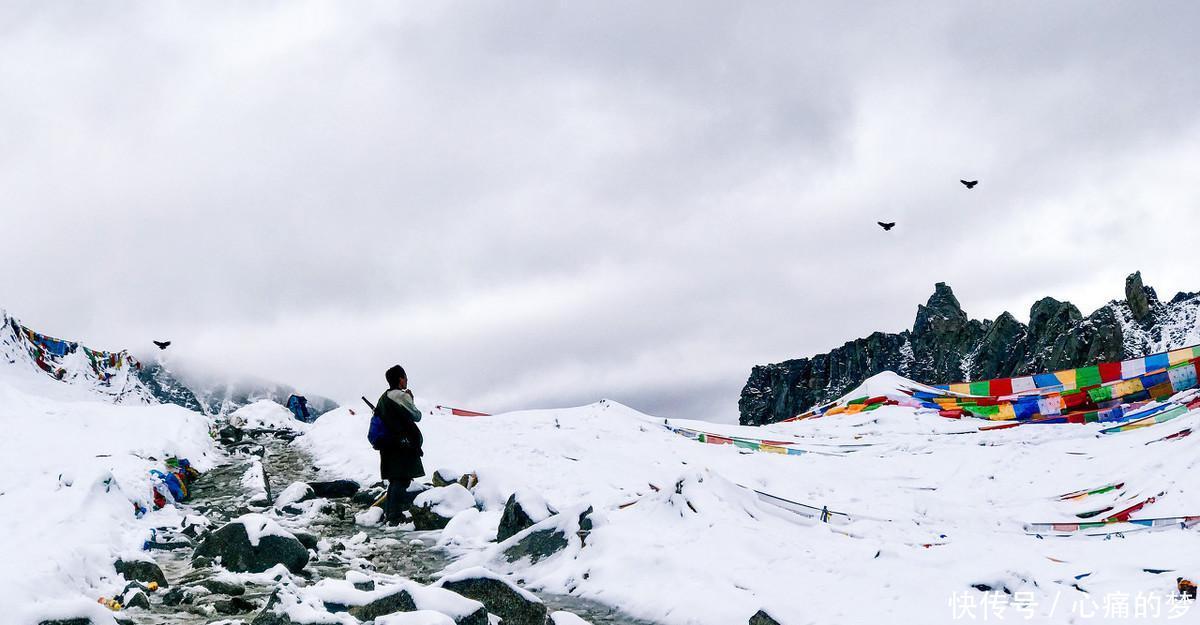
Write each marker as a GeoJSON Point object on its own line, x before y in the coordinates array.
{"type": "Point", "coordinates": [162, 344]}
{"type": "Point", "coordinates": [970, 184]}
{"type": "Point", "coordinates": [886, 226]}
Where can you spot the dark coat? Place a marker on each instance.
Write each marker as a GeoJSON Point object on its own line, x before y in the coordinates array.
{"type": "Point", "coordinates": [400, 455]}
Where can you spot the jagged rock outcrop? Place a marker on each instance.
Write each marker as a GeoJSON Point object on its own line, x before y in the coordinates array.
{"type": "Point", "coordinates": [946, 345]}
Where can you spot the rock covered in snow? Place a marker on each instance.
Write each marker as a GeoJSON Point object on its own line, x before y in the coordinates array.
{"type": "Point", "coordinates": [550, 536]}
{"type": "Point", "coordinates": [566, 618]}
{"type": "Point", "coordinates": [399, 601]}
{"type": "Point", "coordinates": [433, 508]}
{"type": "Point", "coordinates": [513, 604]}
{"type": "Point", "coordinates": [254, 543]}
{"type": "Point", "coordinates": [295, 493]}
{"type": "Point", "coordinates": [522, 510]}
{"type": "Point", "coordinates": [145, 571]}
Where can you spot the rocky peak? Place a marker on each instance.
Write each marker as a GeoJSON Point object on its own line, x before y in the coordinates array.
{"type": "Point", "coordinates": [1049, 316]}
{"type": "Point", "coordinates": [1140, 298]}
{"type": "Point", "coordinates": [941, 313]}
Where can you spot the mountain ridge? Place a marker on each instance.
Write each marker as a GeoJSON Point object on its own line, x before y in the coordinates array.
{"type": "Point", "coordinates": [945, 345]}
{"type": "Point", "coordinates": [121, 378]}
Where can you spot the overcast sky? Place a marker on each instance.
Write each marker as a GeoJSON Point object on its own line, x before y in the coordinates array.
{"type": "Point", "coordinates": [544, 204]}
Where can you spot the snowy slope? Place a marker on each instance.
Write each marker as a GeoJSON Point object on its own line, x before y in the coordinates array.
{"type": "Point", "coordinates": [112, 376]}
{"type": "Point", "coordinates": [936, 507]}
{"type": "Point", "coordinates": [74, 461]}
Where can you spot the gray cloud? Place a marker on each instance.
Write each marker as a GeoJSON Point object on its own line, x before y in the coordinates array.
{"type": "Point", "coordinates": [535, 204]}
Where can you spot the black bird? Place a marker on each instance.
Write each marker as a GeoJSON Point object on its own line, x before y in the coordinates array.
{"type": "Point", "coordinates": [886, 226]}
{"type": "Point", "coordinates": [162, 344]}
{"type": "Point", "coordinates": [970, 184]}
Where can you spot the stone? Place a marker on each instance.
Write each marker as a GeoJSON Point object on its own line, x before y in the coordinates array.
{"type": "Point", "coordinates": [231, 543]}
{"type": "Point", "coordinates": [517, 517]}
{"type": "Point", "coordinates": [234, 605]}
{"type": "Point", "coordinates": [433, 508]}
{"type": "Point", "coordinates": [135, 599]}
{"type": "Point", "coordinates": [762, 618]}
{"type": "Point", "coordinates": [444, 477]}
{"type": "Point", "coordinates": [500, 597]}
{"type": "Point", "coordinates": [223, 587]}
{"type": "Point", "coordinates": [144, 571]}
{"type": "Point", "coordinates": [230, 434]}
{"type": "Point", "coordinates": [308, 539]}
{"type": "Point", "coordinates": [334, 489]}
{"type": "Point", "coordinates": [399, 601]}
{"type": "Point", "coordinates": [82, 620]}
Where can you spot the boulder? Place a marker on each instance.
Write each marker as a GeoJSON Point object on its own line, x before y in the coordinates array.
{"type": "Point", "coordinates": [399, 601]}
{"type": "Point", "coordinates": [308, 539]}
{"type": "Point", "coordinates": [234, 605]}
{"type": "Point", "coordinates": [548, 540]}
{"type": "Point", "coordinates": [135, 599]}
{"type": "Point", "coordinates": [433, 508]}
{"type": "Point", "coordinates": [230, 434]}
{"type": "Point", "coordinates": [521, 511]}
{"type": "Point", "coordinates": [335, 488]}
{"type": "Point", "coordinates": [762, 618]}
{"type": "Point", "coordinates": [445, 477]}
{"type": "Point", "coordinates": [501, 597]}
{"type": "Point", "coordinates": [252, 544]}
{"type": "Point", "coordinates": [183, 595]}
{"type": "Point", "coordinates": [82, 620]}
{"type": "Point", "coordinates": [145, 571]}
{"type": "Point", "coordinates": [223, 587]}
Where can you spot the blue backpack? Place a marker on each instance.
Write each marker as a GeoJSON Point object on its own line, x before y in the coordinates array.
{"type": "Point", "coordinates": [378, 433]}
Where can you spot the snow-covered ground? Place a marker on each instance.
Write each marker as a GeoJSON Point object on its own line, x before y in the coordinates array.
{"type": "Point", "coordinates": [936, 507]}
{"type": "Point", "coordinates": [72, 468]}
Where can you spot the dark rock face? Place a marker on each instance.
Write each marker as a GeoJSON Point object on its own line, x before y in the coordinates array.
{"type": "Point", "coordinates": [140, 571]}
{"type": "Point", "coordinates": [335, 489]}
{"type": "Point", "coordinates": [500, 599]}
{"type": "Point", "coordinates": [1137, 296]}
{"type": "Point", "coordinates": [232, 544]}
{"type": "Point", "coordinates": [945, 346]}
{"type": "Point", "coordinates": [762, 618]}
{"type": "Point", "coordinates": [68, 621]}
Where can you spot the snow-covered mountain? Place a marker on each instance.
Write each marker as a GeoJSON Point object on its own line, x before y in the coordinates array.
{"type": "Point", "coordinates": [218, 394]}
{"type": "Point", "coordinates": [121, 378]}
{"type": "Point", "coordinates": [113, 376]}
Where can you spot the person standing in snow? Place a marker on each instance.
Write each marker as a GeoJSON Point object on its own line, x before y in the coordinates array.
{"type": "Point", "coordinates": [400, 454]}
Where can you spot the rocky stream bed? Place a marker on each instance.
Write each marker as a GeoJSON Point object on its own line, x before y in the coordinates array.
{"type": "Point", "coordinates": [312, 563]}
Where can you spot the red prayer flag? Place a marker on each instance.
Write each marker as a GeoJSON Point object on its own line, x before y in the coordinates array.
{"type": "Point", "coordinates": [1000, 386]}
{"type": "Point", "coordinates": [1110, 371]}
